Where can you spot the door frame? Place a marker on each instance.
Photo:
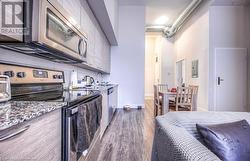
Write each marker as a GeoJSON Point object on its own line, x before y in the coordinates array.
{"type": "Point", "coordinates": [215, 74]}
{"type": "Point", "coordinates": [183, 61]}
{"type": "Point", "coordinates": [155, 55]}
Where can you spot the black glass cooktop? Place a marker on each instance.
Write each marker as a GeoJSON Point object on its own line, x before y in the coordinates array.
{"type": "Point", "coordinates": [51, 94]}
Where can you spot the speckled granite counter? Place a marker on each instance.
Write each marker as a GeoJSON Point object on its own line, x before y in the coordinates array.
{"type": "Point", "coordinates": [103, 88]}
{"type": "Point", "coordinates": [15, 112]}
{"type": "Point", "coordinates": [99, 87]}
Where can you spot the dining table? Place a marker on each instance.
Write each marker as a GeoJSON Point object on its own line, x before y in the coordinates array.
{"type": "Point", "coordinates": [167, 95]}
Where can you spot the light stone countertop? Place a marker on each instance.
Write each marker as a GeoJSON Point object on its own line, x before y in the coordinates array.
{"type": "Point", "coordinates": [16, 112]}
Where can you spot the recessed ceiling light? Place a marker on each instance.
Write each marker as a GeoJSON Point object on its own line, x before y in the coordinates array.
{"type": "Point", "coordinates": [162, 20]}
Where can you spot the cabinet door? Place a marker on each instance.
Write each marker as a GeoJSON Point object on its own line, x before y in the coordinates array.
{"type": "Point", "coordinates": [41, 141]}
{"type": "Point", "coordinates": [91, 44]}
{"type": "Point", "coordinates": [60, 2]}
{"type": "Point", "coordinates": [98, 48]}
{"type": "Point", "coordinates": [85, 19]}
{"type": "Point", "coordinates": [115, 97]}
{"type": "Point", "coordinates": [98, 54]}
{"type": "Point", "coordinates": [88, 27]}
{"type": "Point", "coordinates": [105, 112]}
{"type": "Point", "coordinates": [106, 56]}
{"type": "Point", "coordinates": [74, 9]}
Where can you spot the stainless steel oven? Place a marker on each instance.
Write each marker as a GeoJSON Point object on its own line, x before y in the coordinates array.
{"type": "Point", "coordinates": [48, 32]}
{"type": "Point", "coordinates": [81, 127]}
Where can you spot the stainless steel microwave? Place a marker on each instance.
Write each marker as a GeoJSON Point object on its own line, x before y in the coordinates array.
{"type": "Point", "coordinates": [48, 31]}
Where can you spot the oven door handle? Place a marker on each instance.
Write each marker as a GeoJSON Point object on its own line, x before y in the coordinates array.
{"type": "Point", "coordinates": [74, 111]}
{"type": "Point", "coordinates": [10, 135]}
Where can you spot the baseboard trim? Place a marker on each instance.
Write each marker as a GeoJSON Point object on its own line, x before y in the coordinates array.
{"type": "Point", "coordinates": [134, 106]}
{"type": "Point", "coordinates": [201, 109]}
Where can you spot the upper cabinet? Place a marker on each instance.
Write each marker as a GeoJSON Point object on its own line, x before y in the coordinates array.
{"type": "Point", "coordinates": [98, 48]}
{"type": "Point", "coordinates": [102, 51]}
{"type": "Point", "coordinates": [74, 8]}
{"type": "Point", "coordinates": [112, 9]}
{"type": "Point", "coordinates": [106, 12]}
{"type": "Point", "coordinates": [88, 27]}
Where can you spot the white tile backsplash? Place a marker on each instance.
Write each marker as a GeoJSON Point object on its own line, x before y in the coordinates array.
{"type": "Point", "coordinates": [22, 59]}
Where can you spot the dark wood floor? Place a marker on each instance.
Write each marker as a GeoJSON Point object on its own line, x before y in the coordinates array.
{"type": "Point", "coordinates": [130, 136]}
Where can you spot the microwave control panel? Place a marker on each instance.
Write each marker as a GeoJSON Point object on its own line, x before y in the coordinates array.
{"type": "Point", "coordinates": [27, 75]}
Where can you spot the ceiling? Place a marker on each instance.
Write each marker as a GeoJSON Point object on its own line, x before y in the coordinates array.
{"type": "Point", "coordinates": [165, 10]}
{"type": "Point", "coordinates": [231, 2]}
{"type": "Point", "coordinates": [132, 2]}
{"type": "Point", "coordinates": [169, 10]}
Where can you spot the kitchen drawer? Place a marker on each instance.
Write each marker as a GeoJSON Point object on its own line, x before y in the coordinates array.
{"type": "Point", "coordinates": [40, 142]}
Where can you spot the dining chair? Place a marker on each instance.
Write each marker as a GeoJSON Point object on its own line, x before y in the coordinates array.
{"type": "Point", "coordinates": [184, 98]}
{"type": "Point", "coordinates": [162, 87]}
{"type": "Point", "coordinates": [157, 99]}
{"type": "Point", "coordinates": [195, 96]}
{"type": "Point", "coordinates": [195, 88]}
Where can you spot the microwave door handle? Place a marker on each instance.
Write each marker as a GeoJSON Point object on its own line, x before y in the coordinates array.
{"type": "Point", "coordinates": [79, 46]}
{"type": "Point", "coordinates": [85, 48]}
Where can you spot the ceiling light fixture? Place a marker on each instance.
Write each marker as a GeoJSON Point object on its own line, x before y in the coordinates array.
{"type": "Point", "coordinates": [170, 30]}
{"type": "Point", "coordinates": [162, 20]}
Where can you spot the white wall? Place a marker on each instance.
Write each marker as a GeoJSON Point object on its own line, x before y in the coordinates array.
{"type": "Point", "coordinates": [228, 29]}
{"type": "Point", "coordinates": [192, 43]}
{"type": "Point", "coordinates": [127, 59]}
{"type": "Point", "coordinates": [213, 27]}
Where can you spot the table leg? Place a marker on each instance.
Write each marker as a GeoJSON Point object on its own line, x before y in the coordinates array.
{"type": "Point", "coordinates": [194, 103]}
{"type": "Point", "coordinates": [165, 104]}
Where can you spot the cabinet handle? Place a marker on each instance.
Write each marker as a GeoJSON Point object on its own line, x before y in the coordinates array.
{"type": "Point", "coordinates": [8, 136]}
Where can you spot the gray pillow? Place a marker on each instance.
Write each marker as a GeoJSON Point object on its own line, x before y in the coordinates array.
{"type": "Point", "coordinates": [229, 141]}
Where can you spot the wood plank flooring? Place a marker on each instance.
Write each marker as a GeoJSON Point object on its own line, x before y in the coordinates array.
{"type": "Point", "coordinates": [129, 136]}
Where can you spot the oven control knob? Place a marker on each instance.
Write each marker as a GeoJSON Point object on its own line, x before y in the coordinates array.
{"type": "Point", "coordinates": [55, 76]}
{"type": "Point", "coordinates": [9, 73]}
{"type": "Point", "coordinates": [60, 77]}
{"type": "Point", "coordinates": [20, 74]}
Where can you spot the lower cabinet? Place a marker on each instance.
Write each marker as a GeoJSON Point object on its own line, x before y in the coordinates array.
{"type": "Point", "coordinates": [38, 139]}
{"type": "Point", "coordinates": [105, 112]}
{"type": "Point", "coordinates": [115, 97]}
{"type": "Point", "coordinates": [109, 102]}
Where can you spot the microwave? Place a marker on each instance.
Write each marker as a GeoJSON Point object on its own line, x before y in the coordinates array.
{"type": "Point", "coordinates": [48, 31]}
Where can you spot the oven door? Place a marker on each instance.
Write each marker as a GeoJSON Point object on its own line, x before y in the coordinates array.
{"type": "Point", "coordinates": [57, 30]}
{"type": "Point", "coordinates": [80, 127]}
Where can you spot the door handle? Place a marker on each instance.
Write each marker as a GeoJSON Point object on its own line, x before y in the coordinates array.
{"type": "Point", "coordinates": [220, 80]}
{"type": "Point", "coordinates": [8, 136]}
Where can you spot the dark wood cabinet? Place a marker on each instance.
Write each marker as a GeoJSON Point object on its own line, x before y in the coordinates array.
{"type": "Point", "coordinates": [38, 139]}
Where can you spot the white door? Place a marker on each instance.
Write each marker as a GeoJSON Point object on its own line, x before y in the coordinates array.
{"type": "Point", "coordinates": [231, 76]}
